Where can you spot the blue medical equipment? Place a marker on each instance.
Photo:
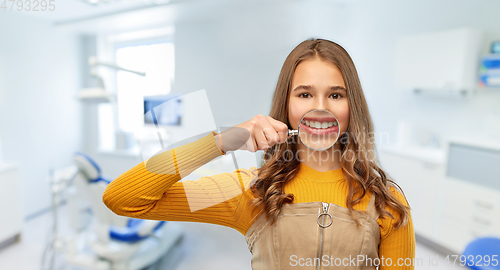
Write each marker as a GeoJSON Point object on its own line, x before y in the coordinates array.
{"type": "Point", "coordinates": [111, 242]}
{"type": "Point", "coordinates": [478, 250]}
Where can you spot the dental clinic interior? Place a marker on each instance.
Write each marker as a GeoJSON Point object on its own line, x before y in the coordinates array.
{"type": "Point", "coordinates": [80, 78]}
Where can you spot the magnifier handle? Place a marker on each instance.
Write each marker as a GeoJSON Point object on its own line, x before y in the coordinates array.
{"type": "Point", "coordinates": [293, 132]}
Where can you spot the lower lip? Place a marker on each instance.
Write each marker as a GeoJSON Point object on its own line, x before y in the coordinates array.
{"type": "Point", "coordinates": [320, 131]}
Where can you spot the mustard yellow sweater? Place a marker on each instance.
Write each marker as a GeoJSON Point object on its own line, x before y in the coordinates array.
{"type": "Point", "coordinates": [151, 190]}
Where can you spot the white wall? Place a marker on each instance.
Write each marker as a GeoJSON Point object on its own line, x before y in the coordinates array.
{"type": "Point", "coordinates": [40, 123]}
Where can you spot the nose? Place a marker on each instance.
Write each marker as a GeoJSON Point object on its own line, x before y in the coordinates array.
{"type": "Point", "coordinates": [321, 103]}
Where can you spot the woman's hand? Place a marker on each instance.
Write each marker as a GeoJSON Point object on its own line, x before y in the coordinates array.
{"type": "Point", "coordinates": [258, 133]}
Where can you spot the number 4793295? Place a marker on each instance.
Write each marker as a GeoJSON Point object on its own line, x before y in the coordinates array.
{"type": "Point", "coordinates": [28, 5]}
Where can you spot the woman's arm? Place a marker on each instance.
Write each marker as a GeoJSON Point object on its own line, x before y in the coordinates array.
{"type": "Point", "coordinates": [397, 244]}
{"type": "Point", "coordinates": [151, 190]}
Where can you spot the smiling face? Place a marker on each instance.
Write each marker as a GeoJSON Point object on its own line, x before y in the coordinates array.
{"type": "Point", "coordinates": [318, 84]}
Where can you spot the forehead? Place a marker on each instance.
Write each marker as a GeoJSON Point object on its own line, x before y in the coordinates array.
{"type": "Point", "coordinates": [316, 71]}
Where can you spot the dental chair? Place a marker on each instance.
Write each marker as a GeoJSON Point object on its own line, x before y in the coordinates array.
{"type": "Point", "coordinates": [483, 253]}
{"type": "Point", "coordinates": [109, 241]}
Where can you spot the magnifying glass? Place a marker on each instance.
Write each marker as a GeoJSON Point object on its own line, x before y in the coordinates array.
{"type": "Point", "coordinates": [318, 130]}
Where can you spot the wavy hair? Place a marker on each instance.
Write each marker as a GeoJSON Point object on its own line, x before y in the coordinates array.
{"type": "Point", "coordinates": [362, 172]}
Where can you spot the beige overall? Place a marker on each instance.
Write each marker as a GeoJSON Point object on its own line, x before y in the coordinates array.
{"type": "Point", "coordinates": [315, 235]}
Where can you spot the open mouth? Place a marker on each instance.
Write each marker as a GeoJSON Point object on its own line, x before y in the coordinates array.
{"type": "Point", "coordinates": [320, 123]}
{"type": "Point", "coordinates": [320, 126]}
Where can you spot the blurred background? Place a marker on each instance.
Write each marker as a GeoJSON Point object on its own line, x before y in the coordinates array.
{"type": "Point", "coordinates": [81, 75]}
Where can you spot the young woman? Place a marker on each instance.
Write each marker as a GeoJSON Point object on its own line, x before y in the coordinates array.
{"type": "Point", "coordinates": [302, 208]}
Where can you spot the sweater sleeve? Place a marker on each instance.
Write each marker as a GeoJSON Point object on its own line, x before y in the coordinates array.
{"type": "Point", "coordinates": [397, 245]}
{"type": "Point", "coordinates": [151, 189]}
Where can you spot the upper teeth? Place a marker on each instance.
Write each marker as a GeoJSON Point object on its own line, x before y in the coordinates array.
{"type": "Point", "coordinates": [317, 124]}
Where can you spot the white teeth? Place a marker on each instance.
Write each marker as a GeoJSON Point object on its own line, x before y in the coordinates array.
{"type": "Point", "coordinates": [317, 124]}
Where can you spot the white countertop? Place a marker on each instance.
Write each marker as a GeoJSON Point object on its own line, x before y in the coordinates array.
{"type": "Point", "coordinates": [439, 155]}
{"type": "Point", "coordinates": [477, 141]}
{"type": "Point", "coordinates": [7, 166]}
{"type": "Point", "coordinates": [428, 154]}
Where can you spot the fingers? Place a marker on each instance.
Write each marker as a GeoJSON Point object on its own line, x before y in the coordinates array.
{"type": "Point", "coordinates": [281, 129]}
{"type": "Point", "coordinates": [269, 131]}
{"type": "Point", "coordinates": [264, 132]}
{"type": "Point", "coordinates": [273, 132]}
{"type": "Point", "coordinates": [251, 146]}
{"type": "Point", "coordinates": [260, 133]}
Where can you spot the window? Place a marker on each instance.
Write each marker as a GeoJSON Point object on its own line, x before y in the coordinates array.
{"type": "Point", "coordinates": [150, 51]}
{"type": "Point", "coordinates": [157, 60]}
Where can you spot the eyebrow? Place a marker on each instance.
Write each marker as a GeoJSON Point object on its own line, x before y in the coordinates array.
{"type": "Point", "coordinates": [309, 87]}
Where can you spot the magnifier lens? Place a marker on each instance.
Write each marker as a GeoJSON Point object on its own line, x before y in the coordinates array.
{"type": "Point", "coordinates": [319, 129]}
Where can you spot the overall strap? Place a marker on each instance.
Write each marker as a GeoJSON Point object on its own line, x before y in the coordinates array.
{"type": "Point", "coordinates": [371, 209]}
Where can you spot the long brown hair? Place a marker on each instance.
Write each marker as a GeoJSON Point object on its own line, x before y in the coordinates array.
{"type": "Point", "coordinates": [361, 171]}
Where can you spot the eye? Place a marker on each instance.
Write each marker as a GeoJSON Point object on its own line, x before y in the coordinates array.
{"type": "Point", "coordinates": [337, 94]}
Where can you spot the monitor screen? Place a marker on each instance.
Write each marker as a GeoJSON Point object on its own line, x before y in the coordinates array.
{"type": "Point", "coordinates": [164, 110]}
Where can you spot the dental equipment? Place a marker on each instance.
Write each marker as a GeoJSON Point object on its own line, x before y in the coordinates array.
{"type": "Point", "coordinates": [99, 94]}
